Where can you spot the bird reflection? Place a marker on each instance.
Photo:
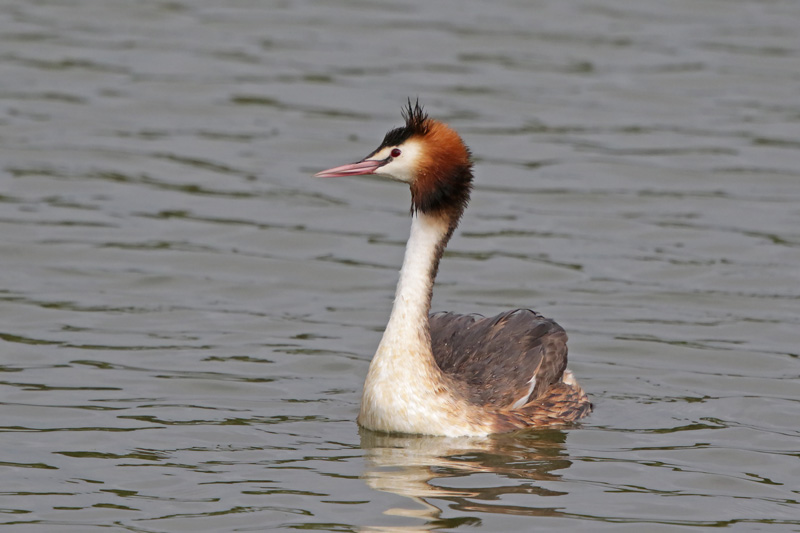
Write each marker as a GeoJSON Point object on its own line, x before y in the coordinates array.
{"type": "Point", "coordinates": [431, 471]}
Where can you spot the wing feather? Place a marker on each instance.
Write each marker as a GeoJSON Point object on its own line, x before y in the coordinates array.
{"type": "Point", "coordinates": [498, 359]}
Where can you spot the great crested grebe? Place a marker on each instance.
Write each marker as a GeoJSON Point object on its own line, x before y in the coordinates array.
{"type": "Point", "coordinates": [444, 373]}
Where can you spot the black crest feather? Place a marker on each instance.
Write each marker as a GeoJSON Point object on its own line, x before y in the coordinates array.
{"type": "Point", "coordinates": [416, 118]}
{"type": "Point", "coordinates": [416, 124]}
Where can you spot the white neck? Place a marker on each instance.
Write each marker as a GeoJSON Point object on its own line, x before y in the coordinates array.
{"type": "Point", "coordinates": [406, 339]}
{"type": "Point", "coordinates": [412, 300]}
{"type": "Point", "coordinates": [402, 392]}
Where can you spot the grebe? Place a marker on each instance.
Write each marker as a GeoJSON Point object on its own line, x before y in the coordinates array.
{"type": "Point", "coordinates": [448, 374]}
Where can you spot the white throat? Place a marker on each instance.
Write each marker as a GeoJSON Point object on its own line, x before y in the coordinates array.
{"type": "Point", "coordinates": [412, 300]}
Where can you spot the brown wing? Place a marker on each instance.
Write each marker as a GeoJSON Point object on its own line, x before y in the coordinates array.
{"type": "Point", "coordinates": [496, 357]}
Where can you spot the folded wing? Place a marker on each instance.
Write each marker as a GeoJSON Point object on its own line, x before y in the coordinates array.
{"type": "Point", "coordinates": [505, 361]}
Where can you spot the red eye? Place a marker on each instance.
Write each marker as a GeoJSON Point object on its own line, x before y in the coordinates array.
{"type": "Point", "coordinates": [396, 152]}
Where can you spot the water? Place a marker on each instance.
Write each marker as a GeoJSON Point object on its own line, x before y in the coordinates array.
{"type": "Point", "coordinates": [187, 316]}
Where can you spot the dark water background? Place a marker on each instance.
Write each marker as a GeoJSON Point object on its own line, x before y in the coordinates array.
{"type": "Point", "coordinates": [186, 317]}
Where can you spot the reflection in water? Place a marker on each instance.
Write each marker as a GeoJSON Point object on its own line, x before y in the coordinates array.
{"type": "Point", "coordinates": [419, 467]}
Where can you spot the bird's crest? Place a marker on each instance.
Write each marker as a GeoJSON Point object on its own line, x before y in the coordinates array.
{"type": "Point", "coordinates": [416, 118]}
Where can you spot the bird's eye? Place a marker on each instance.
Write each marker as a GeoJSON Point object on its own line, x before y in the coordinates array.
{"type": "Point", "coordinates": [396, 152]}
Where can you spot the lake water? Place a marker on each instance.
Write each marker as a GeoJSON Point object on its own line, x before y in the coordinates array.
{"type": "Point", "coordinates": [187, 316]}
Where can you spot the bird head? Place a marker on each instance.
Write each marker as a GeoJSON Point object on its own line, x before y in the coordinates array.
{"type": "Point", "coordinates": [426, 154]}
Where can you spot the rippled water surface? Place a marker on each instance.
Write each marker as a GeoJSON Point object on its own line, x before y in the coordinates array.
{"type": "Point", "coordinates": [187, 317]}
